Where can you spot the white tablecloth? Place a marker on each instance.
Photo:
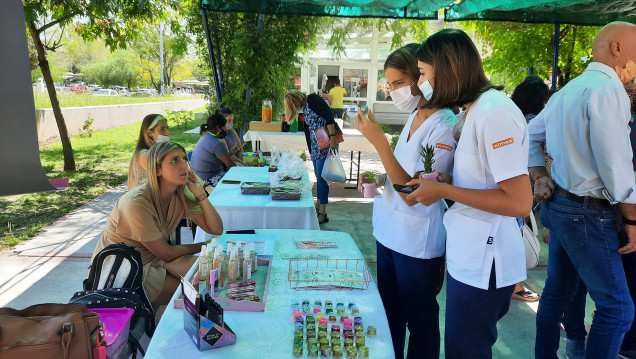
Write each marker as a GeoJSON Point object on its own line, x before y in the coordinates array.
{"type": "Point", "coordinates": [270, 334]}
{"type": "Point", "coordinates": [353, 140]}
{"type": "Point", "coordinates": [239, 211]}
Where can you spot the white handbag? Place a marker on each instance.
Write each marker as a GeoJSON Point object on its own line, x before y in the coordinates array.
{"type": "Point", "coordinates": [531, 242]}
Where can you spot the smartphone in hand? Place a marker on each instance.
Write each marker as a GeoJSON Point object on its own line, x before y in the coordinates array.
{"type": "Point", "coordinates": [405, 189]}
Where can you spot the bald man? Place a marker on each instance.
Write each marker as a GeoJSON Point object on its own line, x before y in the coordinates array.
{"type": "Point", "coordinates": [585, 126]}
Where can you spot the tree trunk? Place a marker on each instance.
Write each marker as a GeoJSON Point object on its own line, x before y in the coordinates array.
{"type": "Point", "coordinates": [69, 159]}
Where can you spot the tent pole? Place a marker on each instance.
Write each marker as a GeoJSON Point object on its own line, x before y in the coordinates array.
{"type": "Point", "coordinates": [217, 84]}
{"type": "Point", "coordinates": [555, 62]}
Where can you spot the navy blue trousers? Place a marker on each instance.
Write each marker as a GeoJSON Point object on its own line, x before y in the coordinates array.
{"type": "Point", "coordinates": [409, 287]}
{"type": "Point", "coordinates": [471, 318]}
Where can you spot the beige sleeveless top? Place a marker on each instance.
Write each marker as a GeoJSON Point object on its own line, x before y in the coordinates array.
{"type": "Point", "coordinates": [137, 175]}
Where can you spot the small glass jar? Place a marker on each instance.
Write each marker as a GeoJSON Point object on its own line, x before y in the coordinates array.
{"type": "Point", "coordinates": [295, 307]}
{"type": "Point", "coordinates": [312, 351]}
{"type": "Point", "coordinates": [299, 320]}
{"type": "Point", "coordinates": [360, 342]}
{"type": "Point", "coordinates": [340, 310]}
{"type": "Point", "coordinates": [363, 352]}
{"type": "Point", "coordinates": [298, 341]}
{"type": "Point", "coordinates": [349, 335]}
{"type": "Point", "coordinates": [348, 342]}
{"type": "Point", "coordinates": [332, 318]}
{"type": "Point", "coordinates": [371, 331]}
{"type": "Point", "coordinates": [335, 328]}
{"type": "Point", "coordinates": [336, 350]}
{"type": "Point", "coordinates": [352, 352]}
{"type": "Point", "coordinates": [322, 335]}
{"type": "Point", "coordinates": [325, 352]}
{"type": "Point", "coordinates": [351, 305]}
{"type": "Point", "coordinates": [322, 327]}
{"type": "Point", "coordinates": [323, 342]}
{"type": "Point", "coordinates": [328, 303]}
{"type": "Point", "coordinates": [335, 336]}
{"type": "Point", "coordinates": [311, 327]}
{"type": "Point", "coordinates": [311, 334]}
{"type": "Point", "coordinates": [358, 328]}
{"type": "Point", "coordinates": [355, 310]}
{"type": "Point", "coordinates": [317, 304]}
{"type": "Point", "coordinates": [299, 328]}
{"type": "Point", "coordinates": [312, 341]}
{"type": "Point", "coordinates": [298, 335]}
{"type": "Point", "coordinates": [298, 350]}
{"type": "Point", "coordinates": [357, 320]}
{"type": "Point", "coordinates": [310, 319]}
{"type": "Point", "coordinates": [323, 320]}
{"type": "Point", "coordinates": [343, 318]}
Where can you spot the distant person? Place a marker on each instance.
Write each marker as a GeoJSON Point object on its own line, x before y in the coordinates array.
{"type": "Point", "coordinates": [336, 96]}
{"type": "Point", "coordinates": [154, 129]}
{"type": "Point", "coordinates": [317, 115]}
{"type": "Point", "coordinates": [585, 126]}
{"type": "Point", "coordinates": [233, 141]}
{"type": "Point", "coordinates": [211, 157]}
{"type": "Point", "coordinates": [380, 95]}
{"type": "Point", "coordinates": [146, 215]}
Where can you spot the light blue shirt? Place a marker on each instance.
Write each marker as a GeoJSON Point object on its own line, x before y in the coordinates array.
{"type": "Point", "coordinates": [585, 126]}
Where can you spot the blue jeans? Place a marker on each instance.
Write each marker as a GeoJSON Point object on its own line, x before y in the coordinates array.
{"type": "Point", "coordinates": [471, 317]}
{"type": "Point", "coordinates": [322, 187]}
{"type": "Point", "coordinates": [629, 263]}
{"type": "Point", "coordinates": [337, 112]}
{"type": "Point", "coordinates": [574, 314]}
{"type": "Point", "coordinates": [583, 243]}
{"type": "Point", "coordinates": [409, 287]}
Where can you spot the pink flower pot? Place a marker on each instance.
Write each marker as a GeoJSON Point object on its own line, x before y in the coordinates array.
{"type": "Point", "coordinates": [368, 190]}
{"type": "Point", "coordinates": [429, 176]}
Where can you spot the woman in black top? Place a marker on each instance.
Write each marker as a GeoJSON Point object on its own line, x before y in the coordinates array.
{"type": "Point", "coordinates": [317, 114]}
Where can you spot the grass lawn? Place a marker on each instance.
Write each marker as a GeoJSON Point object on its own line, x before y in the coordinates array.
{"type": "Point", "coordinates": [78, 100]}
{"type": "Point", "coordinates": [102, 163]}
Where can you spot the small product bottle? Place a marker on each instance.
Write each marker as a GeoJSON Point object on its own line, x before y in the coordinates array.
{"type": "Point", "coordinates": [202, 263]}
{"type": "Point", "coordinates": [247, 268]}
{"type": "Point", "coordinates": [240, 258]}
{"type": "Point", "coordinates": [253, 257]}
{"type": "Point", "coordinates": [232, 269]}
{"type": "Point", "coordinates": [218, 265]}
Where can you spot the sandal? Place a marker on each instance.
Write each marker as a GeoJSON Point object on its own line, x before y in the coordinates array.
{"type": "Point", "coordinates": [323, 218]}
{"type": "Point", "coordinates": [525, 295]}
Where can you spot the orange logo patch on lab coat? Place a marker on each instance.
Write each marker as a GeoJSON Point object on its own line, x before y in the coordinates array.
{"type": "Point", "coordinates": [506, 142]}
{"type": "Point", "coordinates": [443, 146]}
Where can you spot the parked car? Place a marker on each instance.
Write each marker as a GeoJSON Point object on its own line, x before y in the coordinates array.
{"type": "Point", "coordinates": [79, 89]}
{"type": "Point", "coordinates": [124, 92]}
{"type": "Point", "coordinates": [93, 87]}
{"type": "Point", "coordinates": [106, 92]}
{"type": "Point", "coordinates": [146, 92]}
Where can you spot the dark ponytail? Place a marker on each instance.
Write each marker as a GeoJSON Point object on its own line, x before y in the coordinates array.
{"type": "Point", "coordinates": [213, 122]}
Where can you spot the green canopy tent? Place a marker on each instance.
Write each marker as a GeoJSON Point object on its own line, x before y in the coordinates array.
{"type": "Point", "coordinates": [577, 12]}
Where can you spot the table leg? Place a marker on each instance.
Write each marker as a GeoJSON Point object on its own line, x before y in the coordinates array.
{"type": "Point", "coordinates": [350, 179]}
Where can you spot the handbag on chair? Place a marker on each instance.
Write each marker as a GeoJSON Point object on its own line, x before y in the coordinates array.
{"type": "Point", "coordinates": [44, 331]}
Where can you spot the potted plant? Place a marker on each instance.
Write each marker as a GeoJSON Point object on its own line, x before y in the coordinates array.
{"type": "Point", "coordinates": [369, 183]}
{"type": "Point", "coordinates": [427, 153]}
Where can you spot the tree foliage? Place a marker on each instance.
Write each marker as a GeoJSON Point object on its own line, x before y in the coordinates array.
{"type": "Point", "coordinates": [511, 49]}
{"type": "Point", "coordinates": [116, 22]}
{"type": "Point", "coordinates": [255, 65]}
{"type": "Point", "coordinates": [118, 69]}
{"type": "Point", "coordinates": [175, 48]}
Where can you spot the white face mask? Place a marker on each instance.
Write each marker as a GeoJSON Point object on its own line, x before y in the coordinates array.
{"type": "Point", "coordinates": [162, 138]}
{"type": "Point", "coordinates": [230, 125]}
{"type": "Point", "coordinates": [427, 89]}
{"type": "Point", "coordinates": [404, 99]}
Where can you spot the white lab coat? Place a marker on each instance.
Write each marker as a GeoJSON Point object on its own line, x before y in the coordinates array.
{"type": "Point", "coordinates": [493, 147]}
{"type": "Point", "coordinates": [416, 231]}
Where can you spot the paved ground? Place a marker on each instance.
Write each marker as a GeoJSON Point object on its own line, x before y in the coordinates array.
{"type": "Point", "coordinates": [51, 266]}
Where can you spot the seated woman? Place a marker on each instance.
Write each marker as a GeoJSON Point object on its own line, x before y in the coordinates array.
{"type": "Point", "coordinates": [154, 129]}
{"type": "Point", "coordinates": [233, 141]}
{"type": "Point", "coordinates": [211, 157]}
{"type": "Point", "coordinates": [145, 215]}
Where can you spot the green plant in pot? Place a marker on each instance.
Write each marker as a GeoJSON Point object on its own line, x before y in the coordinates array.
{"type": "Point", "coordinates": [429, 173]}
{"type": "Point", "coordinates": [369, 184]}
